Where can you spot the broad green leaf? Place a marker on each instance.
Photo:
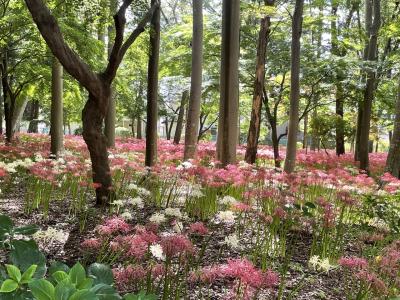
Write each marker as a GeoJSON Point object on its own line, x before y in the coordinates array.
{"type": "Point", "coordinates": [64, 290]}
{"type": "Point", "coordinates": [8, 286]}
{"type": "Point", "coordinates": [28, 274]}
{"type": "Point", "coordinates": [101, 274]}
{"type": "Point", "coordinates": [58, 266]}
{"type": "Point", "coordinates": [14, 272]}
{"type": "Point", "coordinates": [83, 295]}
{"type": "Point", "coordinates": [59, 276]}
{"type": "Point", "coordinates": [105, 292]}
{"type": "Point", "coordinates": [87, 283]}
{"type": "Point", "coordinates": [26, 254]}
{"type": "Point", "coordinates": [26, 230]}
{"type": "Point", "coordinates": [42, 289]}
{"type": "Point", "coordinates": [77, 274]}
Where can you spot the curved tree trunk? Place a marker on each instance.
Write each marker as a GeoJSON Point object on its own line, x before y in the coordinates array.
{"type": "Point", "coordinates": [97, 84]}
{"type": "Point", "coordinates": [291, 149]}
{"type": "Point", "coordinates": [193, 116]}
{"type": "Point", "coordinates": [229, 87]}
{"type": "Point", "coordinates": [92, 120]}
{"type": "Point", "coordinates": [255, 121]}
{"type": "Point", "coordinates": [152, 90]}
{"type": "Point", "coordinates": [56, 117]}
{"type": "Point", "coordinates": [393, 159]}
{"type": "Point", "coordinates": [181, 116]}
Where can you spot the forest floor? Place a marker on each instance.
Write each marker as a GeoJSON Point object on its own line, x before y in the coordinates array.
{"type": "Point", "coordinates": [326, 231]}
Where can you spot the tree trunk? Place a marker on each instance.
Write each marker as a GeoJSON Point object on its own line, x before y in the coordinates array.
{"type": "Point", "coordinates": [340, 143]}
{"type": "Point", "coordinates": [152, 90]}
{"type": "Point", "coordinates": [229, 88]}
{"type": "Point", "coordinates": [181, 116]}
{"type": "Point", "coordinates": [18, 112]}
{"type": "Point", "coordinates": [92, 120]}
{"type": "Point", "coordinates": [275, 144]}
{"type": "Point", "coordinates": [109, 122]}
{"type": "Point", "coordinates": [369, 90]}
{"type": "Point", "coordinates": [393, 159]}
{"type": "Point", "coordinates": [34, 117]}
{"type": "Point", "coordinates": [255, 121]}
{"type": "Point", "coordinates": [139, 128]}
{"type": "Point", "coordinates": [98, 85]}
{"type": "Point", "coordinates": [339, 88]}
{"type": "Point", "coordinates": [193, 117]}
{"type": "Point", "coordinates": [305, 132]}
{"type": "Point", "coordinates": [56, 117]}
{"type": "Point", "coordinates": [293, 129]}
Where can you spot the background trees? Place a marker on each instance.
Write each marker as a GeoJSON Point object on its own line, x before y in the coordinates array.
{"type": "Point", "coordinates": [349, 66]}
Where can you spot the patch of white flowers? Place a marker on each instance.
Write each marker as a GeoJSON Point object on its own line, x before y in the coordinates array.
{"type": "Point", "coordinates": [157, 251]}
{"type": "Point", "coordinates": [319, 264]}
{"type": "Point", "coordinates": [158, 218]}
{"type": "Point", "coordinates": [173, 212]}
{"type": "Point", "coordinates": [232, 241]}
{"type": "Point", "coordinates": [226, 216]}
{"type": "Point", "coordinates": [51, 235]}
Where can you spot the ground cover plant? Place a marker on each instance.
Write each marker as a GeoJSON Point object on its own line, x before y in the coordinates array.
{"type": "Point", "coordinates": [194, 231]}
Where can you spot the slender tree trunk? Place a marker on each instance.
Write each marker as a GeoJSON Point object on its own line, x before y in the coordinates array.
{"type": "Point", "coordinates": [275, 144]}
{"type": "Point", "coordinates": [305, 132]}
{"type": "Point", "coordinates": [171, 125]}
{"type": "Point", "coordinates": [295, 88]}
{"type": "Point", "coordinates": [152, 90]}
{"type": "Point", "coordinates": [369, 90]}
{"type": "Point", "coordinates": [166, 122]}
{"type": "Point", "coordinates": [255, 121]}
{"type": "Point", "coordinates": [340, 144]}
{"type": "Point", "coordinates": [229, 88]}
{"type": "Point", "coordinates": [109, 123]}
{"type": "Point", "coordinates": [56, 117]}
{"type": "Point", "coordinates": [393, 159]}
{"type": "Point", "coordinates": [193, 118]}
{"type": "Point", "coordinates": [18, 112]}
{"type": "Point", "coordinates": [368, 30]}
{"type": "Point", "coordinates": [133, 119]}
{"type": "Point", "coordinates": [181, 116]}
{"type": "Point", "coordinates": [139, 128]}
{"type": "Point", "coordinates": [34, 118]}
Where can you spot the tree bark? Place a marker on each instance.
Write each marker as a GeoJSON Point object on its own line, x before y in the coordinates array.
{"type": "Point", "coordinates": [305, 132]}
{"type": "Point", "coordinates": [98, 85]}
{"type": "Point", "coordinates": [139, 128]}
{"type": "Point", "coordinates": [152, 90]}
{"type": "Point", "coordinates": [255, 121]}
{"type": "Point", "coordinates": [193, 117]}
{"type": "Point", "coordinates": [369, 89]}
{"type": "Point", "coordinates": [57, 115]}
{"type": "Point", "coordinates": [229, 87]}
{"type": "Point", "coordinates": [181, 116]}
{"type": "Point", "coordinates": [109, 122]}
{"type": "Point", "coordinates": [293, 127]}
{"type": "Point", "coordinates": [393, 159]}
{"type": "Point", "coordinates": [340, 144]}
{"type": "Point", "coordinates": [368, 30]}
{"type": "Point", "coordinates": [34, 117]}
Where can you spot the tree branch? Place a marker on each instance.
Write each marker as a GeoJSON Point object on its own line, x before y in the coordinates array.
{"type": "Point", "coordinates": [51, 32]}
{"type": "Point", "coordinates": [120, 47]}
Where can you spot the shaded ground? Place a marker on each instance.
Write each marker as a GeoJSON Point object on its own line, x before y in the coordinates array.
{"type": "Point", "coordinates": [301, 282]}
